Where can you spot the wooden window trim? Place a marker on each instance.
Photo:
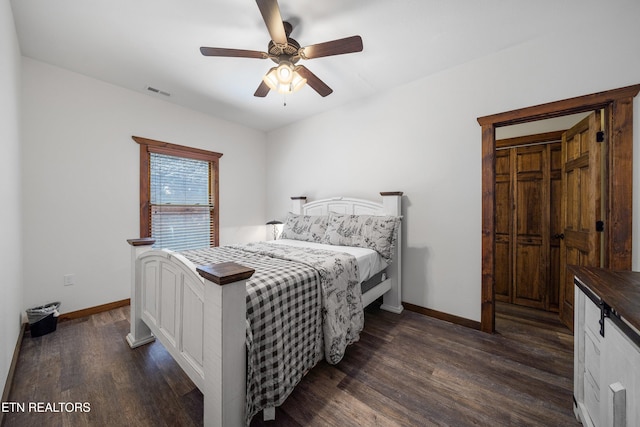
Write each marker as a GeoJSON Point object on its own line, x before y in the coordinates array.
{"type": "Point", "coordinates": [619, 106]}
{"type": "Point", "coordinates": [148, 146]}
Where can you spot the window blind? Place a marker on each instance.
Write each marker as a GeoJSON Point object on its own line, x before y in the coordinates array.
{"type": "Point", "coordinates": [181, 205]}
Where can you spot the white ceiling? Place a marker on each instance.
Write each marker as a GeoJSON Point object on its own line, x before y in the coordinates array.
{"type": "Point", "coordinates": [141, 43]}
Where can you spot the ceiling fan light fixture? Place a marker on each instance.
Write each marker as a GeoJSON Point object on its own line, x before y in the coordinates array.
{"type": "Point", "coordinates": [271, 79]}
{"type": "Point", "coordinates": [296, 81]}
{"type": "Point", "coordinates": [284, 72]}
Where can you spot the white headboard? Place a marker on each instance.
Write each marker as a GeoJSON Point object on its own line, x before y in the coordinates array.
{"type": "Point", "coordinates": [389, 205]}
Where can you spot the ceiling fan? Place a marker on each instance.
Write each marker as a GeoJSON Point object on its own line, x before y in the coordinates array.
{"type": "Point", "coordinates": [288, 77]}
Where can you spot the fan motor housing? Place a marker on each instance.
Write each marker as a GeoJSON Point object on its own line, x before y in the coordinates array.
{"type": "Point", "coordinates": [289, 49]}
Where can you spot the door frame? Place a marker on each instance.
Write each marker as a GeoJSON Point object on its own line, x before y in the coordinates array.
{"type": "Point", "coordinates": [618, 106]}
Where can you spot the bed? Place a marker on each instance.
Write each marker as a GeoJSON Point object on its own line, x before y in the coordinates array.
{"type": "Point", "coordinates": [208, 307]}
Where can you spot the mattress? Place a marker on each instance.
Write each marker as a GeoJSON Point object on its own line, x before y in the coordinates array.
{"type": "Point", "coordinates": [370, 263]}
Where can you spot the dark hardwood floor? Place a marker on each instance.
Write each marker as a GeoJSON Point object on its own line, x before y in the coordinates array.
{"type": "Point", "coordinates": [407, 370]}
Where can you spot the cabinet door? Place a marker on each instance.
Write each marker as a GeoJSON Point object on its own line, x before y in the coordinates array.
{"type": "Point", "coordinates": [587, 360]}
{"type": "Point", "coordinates": [593, 343]}
{"type": "Point", "coordinates": [621, 366]}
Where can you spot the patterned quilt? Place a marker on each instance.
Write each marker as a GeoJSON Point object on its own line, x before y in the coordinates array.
{"type": "Point", "coordinates": [302, 304]}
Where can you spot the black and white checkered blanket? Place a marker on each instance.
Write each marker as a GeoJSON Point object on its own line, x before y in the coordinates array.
{"type": "Point", "coordinates": [301, 304]}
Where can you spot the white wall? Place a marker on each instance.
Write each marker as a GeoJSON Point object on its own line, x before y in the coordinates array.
{"type": "Point", "coordinates": [10, 239]}
{"type": "Point", "coordinates": [80, 173]}
{"type": "Point", "coordinates": [424, 139]}
{"type": "Point", "coordinates": [80, 166]}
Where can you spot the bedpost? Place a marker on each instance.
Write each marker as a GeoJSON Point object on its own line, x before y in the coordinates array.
{"type": "Point", "coordinates": [392, 300]}
{"type": "Point", "coordinates": [224, 348]}
{"type": "Point", "coordinates": [139, 333]}
{"type": "Point", "coordinates": [297, 203]}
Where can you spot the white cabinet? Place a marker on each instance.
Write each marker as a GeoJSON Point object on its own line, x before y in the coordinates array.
{"type": "Point", "coordinates": [621, 377]}
{"type": "Point", "coordinates": [606, 348]}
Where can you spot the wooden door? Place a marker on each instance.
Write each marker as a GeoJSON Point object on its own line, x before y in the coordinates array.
{"type": "Point", "coordinates": [531, 226]}
{"type": "Point", "coordinates": [528, 199]}
{"type": "Point", "coordinates": [555, 226]}
{"type": "Point", "coordinates": [581, 207]}
{"type": "Point", "coordinates": [504, 226]}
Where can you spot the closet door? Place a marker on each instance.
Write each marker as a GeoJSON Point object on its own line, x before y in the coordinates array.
{"type": "Point", "coordinates": [555, 226]}
{"type": "Point", "coordinates": [531, 226]}
{"type": "Point", "coordinates": [528, 193]}
{"type": "Point", "coordinates": [504, 225]}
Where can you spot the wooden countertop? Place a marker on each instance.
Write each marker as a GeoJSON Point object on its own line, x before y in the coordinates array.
{"type": "Point", "coordinates": [620, 290]}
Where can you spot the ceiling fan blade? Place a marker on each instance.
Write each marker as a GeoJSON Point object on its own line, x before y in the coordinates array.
{"type": "Point", "coordinates": [262, 90]}
{"type": "Point", "coordinates": [313, 81]}
{"type": "Point", "coordinates": [235, 53]}
{"type": "Point", "coordinates": [271, 16]}
{"type": "Point", "coordinates": [335, 47]}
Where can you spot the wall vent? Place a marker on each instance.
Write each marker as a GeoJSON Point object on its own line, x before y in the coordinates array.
{"type": "Point", "coordinates": [158, 91]}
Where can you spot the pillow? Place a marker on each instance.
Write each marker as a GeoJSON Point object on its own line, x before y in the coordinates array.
{"type": "Point", "coordinates": [310, 228]}
{"type": "Point", "coordinates": [365, 231]}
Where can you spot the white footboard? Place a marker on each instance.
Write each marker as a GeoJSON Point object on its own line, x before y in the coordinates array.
{"type": "Point", "coordinates": [172, 306]}
{"type": "Point", "coordinates": [172, 300]}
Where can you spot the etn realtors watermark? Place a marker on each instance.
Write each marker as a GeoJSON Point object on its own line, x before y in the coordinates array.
{"type": "Point", "coordinates": [53, 407]}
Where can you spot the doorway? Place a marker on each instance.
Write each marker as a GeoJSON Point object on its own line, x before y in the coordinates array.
{"type": "Point", "coordinates": [548, 188]}
{"type": "Point", "coordinates": [616, 253]}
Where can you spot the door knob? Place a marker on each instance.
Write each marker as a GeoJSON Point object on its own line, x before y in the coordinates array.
{"type": "Point", "coordinates": [558, 236]}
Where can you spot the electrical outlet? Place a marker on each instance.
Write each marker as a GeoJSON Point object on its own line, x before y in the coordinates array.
{"type": "Point", "coordinates": [69, 279]}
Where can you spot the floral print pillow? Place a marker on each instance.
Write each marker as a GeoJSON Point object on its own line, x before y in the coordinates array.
{"type": "Point", "coordinates": [366, 231]}
{"type": "Point", "coordinates": [310, 228]}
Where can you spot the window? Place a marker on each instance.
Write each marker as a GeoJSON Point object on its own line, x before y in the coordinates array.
{"type": "Point", "coordinates": [178, 195]}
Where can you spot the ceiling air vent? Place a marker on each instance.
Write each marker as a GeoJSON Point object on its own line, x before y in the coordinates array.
{"type": "Point", "coordinates": [158, 91]}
